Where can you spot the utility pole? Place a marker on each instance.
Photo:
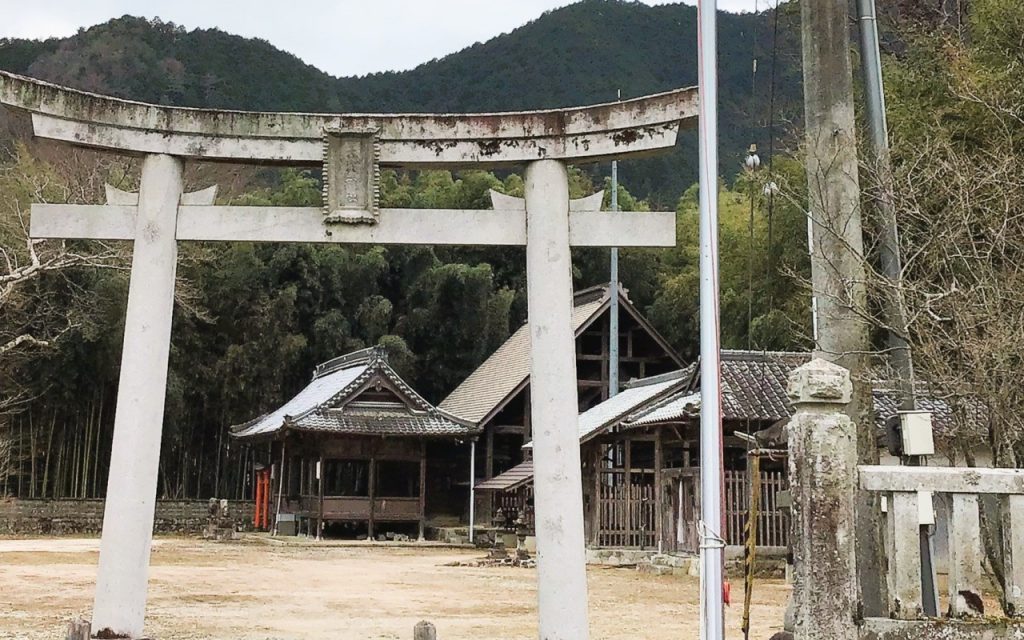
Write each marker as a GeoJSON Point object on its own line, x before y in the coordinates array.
{"type": "Point", "coordinates": [889, 254]}
{"type": "Point", "coordinates": [837, 261]}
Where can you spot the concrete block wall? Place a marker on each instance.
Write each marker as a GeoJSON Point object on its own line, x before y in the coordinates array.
{"type": "Point", "coordinates": [85, 516]}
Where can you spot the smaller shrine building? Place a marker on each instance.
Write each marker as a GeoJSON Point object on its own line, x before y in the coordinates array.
{"type": "Point", "coordinates": [352, 451]}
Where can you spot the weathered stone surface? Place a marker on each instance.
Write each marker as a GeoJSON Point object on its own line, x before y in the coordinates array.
{"type": "Point", "coordinates": [1013, 554]}
{"type": "Point", "coordinates": [394, 226]}
{"type": "Point", "coordinates": [820, 382]}
{"type": "Point", "coordinates": [942, 479]}
{"type": "Point", "coordinates": [351, 176]}
{"type": "Point", "coordinates": [823, 478]}
{"type": "Point", "coordinates": [561, 559]}
{"type": "Point", "coordinates": [581, 134]}
{"type": "Point", "coordinates": [77, 517]}
{"type": "Point", "coordinates": [886, 629]}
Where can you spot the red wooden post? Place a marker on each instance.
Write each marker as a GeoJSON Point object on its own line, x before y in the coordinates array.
{"type": "Point", "coordinates": [259, 500]}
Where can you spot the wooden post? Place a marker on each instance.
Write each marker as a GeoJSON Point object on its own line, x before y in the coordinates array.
{"type": "Point", "coordinates": [280, 489]}
{"type": "Point", "coordinates": [423, 489]}
{"type": "Point", "coordinates": [659, 493]}
{"type": "Point", "coordinates": [595, 532]}
{"type": "Point", "coordinates": [424, 631]}
{"type": "Point", "coordinates": [527, 421]}
{"type": "Point", "coordinates": [373, 496]}
{"type": "Point", "coordinates": [964, 555]}
{"type": "Point", "coordinates": [487, 506]}
{"type": "Point", "coordinates": [629, 491]}
{"type": "Point", "coordinates": [256, 517]}
{"type": "Point", "coordinates": [488, 463]}
{"type": "Point", "coordinates": [320, 491]}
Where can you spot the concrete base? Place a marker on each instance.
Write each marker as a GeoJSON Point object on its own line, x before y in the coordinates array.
{"type": "Point", "coordinates": [619, 557]}
{"type": "Point", "coordinates": [886, 629]}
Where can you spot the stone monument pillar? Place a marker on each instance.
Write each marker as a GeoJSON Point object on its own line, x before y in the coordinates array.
{"type": "Point", "coordinates": [823, 480]}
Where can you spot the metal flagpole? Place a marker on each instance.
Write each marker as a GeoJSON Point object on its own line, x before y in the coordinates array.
{"type": "Point", "coordinates": [712, 545]}
{"type": "Point", "coordinates": [613, 311]}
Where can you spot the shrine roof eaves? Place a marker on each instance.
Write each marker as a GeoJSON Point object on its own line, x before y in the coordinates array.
{"type": "Point", "coordinates": [579, 134]}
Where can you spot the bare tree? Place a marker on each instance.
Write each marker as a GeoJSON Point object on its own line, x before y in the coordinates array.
{"type": "Point", "coordinates": [27, 318]}
{"type": "Point", "coordinates": [36, 284]}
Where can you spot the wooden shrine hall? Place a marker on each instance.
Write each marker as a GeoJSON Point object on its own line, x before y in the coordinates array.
{"type": "Point", "coordinates": [641, 464]}
{"type": "Point", "coordinates": [350, 449]}
{"type": "Point", "coordinates": [496, 396]}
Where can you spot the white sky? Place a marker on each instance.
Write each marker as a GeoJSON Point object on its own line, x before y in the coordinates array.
{"type": "Point", "coordinates": [342, 37]}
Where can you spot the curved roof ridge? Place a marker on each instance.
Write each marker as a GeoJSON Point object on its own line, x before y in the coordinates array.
{"type": "Point", "coordinates": [349, 360]}
{"type": "Point", "coordinates": [661, 377]}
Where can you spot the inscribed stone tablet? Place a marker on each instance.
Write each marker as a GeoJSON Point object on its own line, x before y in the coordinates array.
{"type": "Point", "coordinates": [351, 176]}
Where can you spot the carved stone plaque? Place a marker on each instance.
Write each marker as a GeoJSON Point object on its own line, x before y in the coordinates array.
{"type": "Point", "coordinates": [351, 176]}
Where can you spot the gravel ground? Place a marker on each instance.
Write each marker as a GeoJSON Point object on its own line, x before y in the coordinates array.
{"type": "Point", "coordinates": [258, 590]}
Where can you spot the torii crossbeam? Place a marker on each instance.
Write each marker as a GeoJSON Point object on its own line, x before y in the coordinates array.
{"type": "Point", "coordinates": [351, 149]}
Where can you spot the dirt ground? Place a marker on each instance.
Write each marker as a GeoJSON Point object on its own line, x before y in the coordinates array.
{"type": "Point", "coordinates": [260, 590]}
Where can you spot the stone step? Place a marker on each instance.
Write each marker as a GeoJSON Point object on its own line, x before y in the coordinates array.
{"type": "Point", "coordinates": [672, 560]}
{"type": "Point", "coordinates": [655, 569]}
{"type": "Point", "coordinates": [670, 564]}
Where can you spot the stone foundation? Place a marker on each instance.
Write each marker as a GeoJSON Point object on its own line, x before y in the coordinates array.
{"type": "Point", "coordinates": [85, 516]}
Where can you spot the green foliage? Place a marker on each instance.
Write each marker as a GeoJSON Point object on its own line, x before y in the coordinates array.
{"type": "Point", "coordinates": [762, 258]}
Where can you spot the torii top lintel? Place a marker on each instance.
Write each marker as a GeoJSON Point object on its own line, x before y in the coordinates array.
{"type": "Point", "coordinates": [580, 134]}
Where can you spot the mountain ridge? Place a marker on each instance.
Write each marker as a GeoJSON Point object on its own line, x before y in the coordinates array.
{"type": "Point", "coordinates": [575, 55]}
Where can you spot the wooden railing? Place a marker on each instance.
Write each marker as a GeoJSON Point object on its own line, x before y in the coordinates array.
{"type": "Point", "coordinates": [514, 504]}
{"type": "Point", "coordinates": [773, 521]}
{"type": "Point", "coordinates": [626, 516]}
{"type": "Point", "coordinates": [902, 486]}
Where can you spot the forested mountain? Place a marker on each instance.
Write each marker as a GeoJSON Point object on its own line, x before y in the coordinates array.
{"type": "Point", "coordinates": [580, 54]}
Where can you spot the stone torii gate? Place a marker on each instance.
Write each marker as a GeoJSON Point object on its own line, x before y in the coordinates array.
{"type": "Point", "coordinates": [351, 148]}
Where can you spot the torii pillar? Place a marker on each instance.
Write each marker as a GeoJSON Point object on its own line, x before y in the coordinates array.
{"type": "Point", "coordinates": [128, 512]}
{"type": "Point", "coordinates": [350, 148]}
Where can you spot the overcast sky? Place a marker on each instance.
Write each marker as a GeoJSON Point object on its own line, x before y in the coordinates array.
{"type": "Point", "coordinates": [342, 37]}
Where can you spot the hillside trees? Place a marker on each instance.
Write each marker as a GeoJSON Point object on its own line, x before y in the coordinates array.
{"type": "Point", "coordinates": [763, 263]}
{"type": "Point", "coordinates": [252, 320]}
{"type": "Point", "coordinates": [43, 296]}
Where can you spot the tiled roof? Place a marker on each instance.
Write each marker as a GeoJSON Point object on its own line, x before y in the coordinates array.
{"type": "Point", "coordinates": [509, 367]}
{"type": "Point", "coordinates": [671, 408]}
{"type": "Point", "coordinates": [326, 404]}
{"type": "Point", "coordinates": [754, 387]}
{"type": "Point", "coordinates": [379, 422]}
{"type": "Point", "coordinates": [754, 384]}
{"type": "Point", "coordinates": [318, 391]}
{"type": "Point", "coordinates": [511, 479]}
{"type": "Point", "coordinates": [638, 393]}
{"type": "Point", "coordinates": [973, 424]}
